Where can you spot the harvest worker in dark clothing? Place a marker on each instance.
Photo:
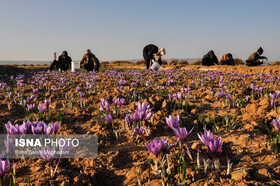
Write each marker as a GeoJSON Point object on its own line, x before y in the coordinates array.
{"type": "Point", "coordinates": [255, 59]}
{"type": "Point", "coordinates": [151, 52]}
{"type": "Point", "coordinates": [209, 59]}
{"type": "Point", "coordinates": [90, 61]}
{"type": "Point", "coordinates": [63, 62]}
{"type": "Point", "coordinates": [226, 59]}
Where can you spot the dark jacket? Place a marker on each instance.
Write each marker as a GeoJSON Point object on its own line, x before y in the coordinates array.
{"type": "Point", "coordinates": [224, 61]}
{"type": "Point", "coordinates": [62, 63]}
{"type": "Point", "coordinates": [207, 61]}
{"type": "Point", "coordinates": [253, 59]}
{"type": "Point", "coordinates": [149, 51]}
{"type": "Point", "coordinates": [91, 63]}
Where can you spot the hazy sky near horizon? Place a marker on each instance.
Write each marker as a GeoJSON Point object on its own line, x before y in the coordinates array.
{"type": "Point", "coordinates": [119, 29]}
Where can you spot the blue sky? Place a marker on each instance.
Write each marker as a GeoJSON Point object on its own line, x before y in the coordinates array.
{"type": "Point", "coordinates": [119, 29]}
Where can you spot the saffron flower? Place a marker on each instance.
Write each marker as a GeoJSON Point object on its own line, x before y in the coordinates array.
{"type": "Point", "coordinates": [30, 106]}
{"type": "Point", "coordinates": [172, 122]}
{"type": "Point", "coordinates": [229, 96]}
{"type": "Point", "coordinates": [214, 144]}
{"type": "Point", "coordinates": [182, 134]}
{"type": "Point", "coordinates": [129, 119]}
{"type": "Point", "coordinates": [138, 131]}
{"type": "Point", "coordinates": [48, 154]}
{"type": "Point", "coordinates": [159, 145]}
{"type": "Point", "coordinates": [104, 105]}
{"type": "Point", "coordinates": [4, 168]}
{"type": "Point", "coordinates": [37, 129]}
{"type": "Point", "coordinates": [108, 118]}
{"type": "Point", "coordinates": [82, 94]}
{"type": "Point", "coordinates": [276, 123]}
{"type": "Point", "coordinates": [273, 98]}
{"type": "Point", "coordinates": [42, 108]}
{"type": "Point", "coordinates": [47, 103]}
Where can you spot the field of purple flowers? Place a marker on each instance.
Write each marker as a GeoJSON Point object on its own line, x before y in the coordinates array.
{"type": "Point", "coordinates": [172, 127]}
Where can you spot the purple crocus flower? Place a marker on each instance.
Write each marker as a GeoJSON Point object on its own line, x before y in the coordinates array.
{"type": "Point", "coordinates": [42, 108]}
{"type": "Point", "coordinates": [82, 94]}
{"type": "Point", "coordinates": [78, 88]}
{"type": "Point", "coordinates": [206, 137]}
{"type": "Point", "coordinates": [170, 97]}
{"type": "Point", "coordinates": [216, 145]}
{"type": "Point", "coordinates": [48, 129]}
{"type": "Point", "coordinates": [164, 146]}
{"type": "Point", "coordinates": [32, 97]}
{"type": "Point", "coordinates": [56, 126]}
{"type": "Point", "coordinates": [172, 122]}
{"type": "Point", "coordinates": [273, 98]}
{"type": "Point", "coordinates": [48, 154]}
{"type": "Point", "coordinates": [182, 133]}
{"type": "Point", "coordinates": [47, 103]}
{"type": "Point", "coordinates": [129, 119]}
{"type": "Point", "coordinates": [4, 167]}
{"type": "Point", "coordinates": [30, 106]}
{"type": "Point", "coordinates": [159, 145]}
{"type": "Point", "coordinates": [35, 91]}
{"type": "Point", "coordinates": [229, 96]}
{"type": "Point", "coordinates": [155, 149]}
{"type": "Point", "coordinates": [108, 118]}
{"type": "Point", "coordinates": [276, 123]}
{"type": "Point", "coordinates": [247, 98]}
{"type": "Point", "coordinates": [10, 96]}
{"type": "Point", "coordinates": [138, 131]}
{"type": "Point", "coordinates": [104, 105]}
{"type": "Point", "coordinates": [13, 129]}
{"type": "Point", "coordinates": [186, 90]}
{"type": "Point", "coordinates": [220, 94]}
{"type": "Point", "coordinates": [179, 96]}
{"type": "Point", "coordinates": [36, 129]}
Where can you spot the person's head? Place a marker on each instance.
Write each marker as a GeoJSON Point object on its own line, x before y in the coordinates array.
{"type": "Point", "coordinates": [87, 52]}
{"type": "Point", "coordinates": [211, 53]}
{"type": "Point", "coordinates": [161, 51]}
{"type": "Point", "coordinates": [260, 51]}
{"type": "Point", "coordinates": [64, 54]}
{"type": "Point", "coordinates": [228, 56]}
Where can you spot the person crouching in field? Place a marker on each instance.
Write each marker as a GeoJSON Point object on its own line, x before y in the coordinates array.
{"type": "Point", "coordinates": [63, 62]}
{"type": "Point", "coordinates": [226, 59]}
{"type": "Point", "coordinates": [90, 61]}
{"type": "Point", "coordinates": [151, 53]}
{"type": "Point", "coordinates": [209, 59]}
{"type": "Point", "coordinates": [255, 59]}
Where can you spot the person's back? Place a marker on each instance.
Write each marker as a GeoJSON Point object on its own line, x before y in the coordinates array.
{"type": "Point", "coordinates": [226, 59]}
{"type": "Point", "coordinates": [255, 59]}
{"type": "Point", "coordinates": [89, 61]}
{"type": "Point", "coordinates": [209, 59]}
{"type": "Point", "coordinates": [63, 62]}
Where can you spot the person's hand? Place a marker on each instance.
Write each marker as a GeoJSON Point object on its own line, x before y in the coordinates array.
{"type": "Point", "coordinates": [153, 61]}
{"type": "Point", "coordinates": [266, 58]}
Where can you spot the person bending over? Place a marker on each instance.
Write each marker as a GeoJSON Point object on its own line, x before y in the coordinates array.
{"type": "Point", "coordinates": [151, 53]}
{"type": "Point", "coordinates": [209, 59]}
{"type": "Point", "coordinates": [63, 63]}
{"type": "Point", "coordinates": [255, 59]}
{"type": "Point", "coordinates": [226, 59]}
{"type": "Point", "coordinates": [89, 61]}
